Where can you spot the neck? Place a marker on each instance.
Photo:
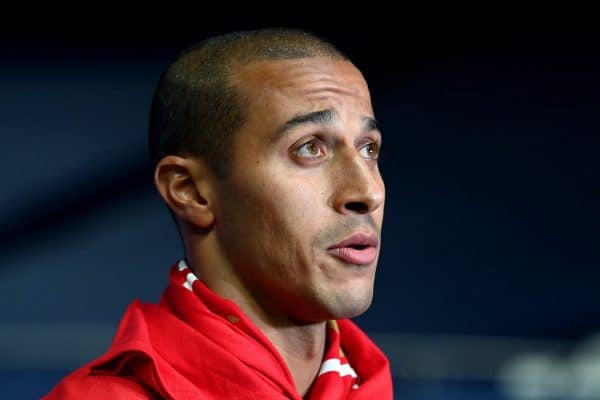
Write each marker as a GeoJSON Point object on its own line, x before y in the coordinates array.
{"type": "Point", "coordinates": [302, 348]}
{"type": "Point", "coordinates": [302, 345]}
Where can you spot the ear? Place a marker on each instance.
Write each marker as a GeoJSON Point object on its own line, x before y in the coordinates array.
{"type": "Point", "coordinates": [186, 185]}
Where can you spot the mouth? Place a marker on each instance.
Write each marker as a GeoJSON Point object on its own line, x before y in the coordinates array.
{"type": "Point", "coordinates": [358, 249]}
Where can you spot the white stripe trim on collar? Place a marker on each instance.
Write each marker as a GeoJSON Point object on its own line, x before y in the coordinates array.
{"type": "Point", "coordinates": [334, 365]}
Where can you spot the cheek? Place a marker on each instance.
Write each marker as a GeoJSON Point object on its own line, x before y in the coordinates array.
{"type": "Point", "coordinates": [288, 215]}
{"type": "Point", "coordinates": [303, 200]}
{"type": "Point", "coordinates": [276, 208]}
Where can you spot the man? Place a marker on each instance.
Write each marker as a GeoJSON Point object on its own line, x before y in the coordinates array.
{"type": "Point", "coordinates": [266, 153]}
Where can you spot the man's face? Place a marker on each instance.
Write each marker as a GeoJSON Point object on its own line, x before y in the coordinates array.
{"type": "Point", "coordinates": [299, 218]}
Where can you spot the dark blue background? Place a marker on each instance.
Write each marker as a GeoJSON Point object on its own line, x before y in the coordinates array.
{"type": "Point", "coordinates": [491, 142]}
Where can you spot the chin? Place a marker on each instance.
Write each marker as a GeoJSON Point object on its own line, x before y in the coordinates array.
{"type": "Point", "coordinates": [352, 305]}
{"type": "Point", "coordinates": [356, 310]}
{"type": "Point", "coordinates": [333, 301]}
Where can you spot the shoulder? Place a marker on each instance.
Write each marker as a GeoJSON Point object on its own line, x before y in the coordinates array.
{"type": "Point", "coordinates": [83, 385]}
{"type": "Point", "coordinates": [116, 380]}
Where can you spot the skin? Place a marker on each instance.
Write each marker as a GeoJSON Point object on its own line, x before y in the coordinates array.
{"type": "Point", "coordinates": [304, 178]}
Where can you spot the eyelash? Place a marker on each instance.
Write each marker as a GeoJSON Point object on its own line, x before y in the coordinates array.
{"type": "Point", "coordinates": [373, 149]}
{"type": "Point", "coordinates": [314, 141]}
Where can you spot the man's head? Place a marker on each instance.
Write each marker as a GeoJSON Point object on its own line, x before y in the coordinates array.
{"type": "Point", "coordinates": [196, 107]}
{"type": "Point", "coordinates": [289, 225]}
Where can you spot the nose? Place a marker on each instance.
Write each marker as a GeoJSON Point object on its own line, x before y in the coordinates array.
{"type": "Point", "coordinates": [359, 187]}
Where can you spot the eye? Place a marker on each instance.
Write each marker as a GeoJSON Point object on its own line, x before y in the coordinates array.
{"type": "Point", "coordinates": [311, 149]}
{"type": "Point", "coordinates": [370, 150]}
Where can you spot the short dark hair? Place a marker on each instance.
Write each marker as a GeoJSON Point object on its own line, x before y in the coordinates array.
{"type": "Point", "coordinates": [196, 108]}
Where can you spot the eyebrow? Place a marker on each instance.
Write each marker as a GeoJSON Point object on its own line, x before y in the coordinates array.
{"type": "Point", "coordinates": [371, 124]}
{"type": "Point", "coordinates": [323, 117]}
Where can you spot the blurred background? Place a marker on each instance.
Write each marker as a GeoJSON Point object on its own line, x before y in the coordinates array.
{"type": "Point", "coordinates": [487, 287]}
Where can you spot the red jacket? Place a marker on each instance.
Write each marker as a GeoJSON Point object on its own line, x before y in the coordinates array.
{"type": "Point", "coordinates": [195, 344]}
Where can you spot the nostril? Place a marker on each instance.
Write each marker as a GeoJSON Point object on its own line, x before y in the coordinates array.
{"type": "Point", "coordinates": [357, 206]}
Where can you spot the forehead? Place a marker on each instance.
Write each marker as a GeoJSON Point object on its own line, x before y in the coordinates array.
{"type": "Point", "coordinates": [304, 84]}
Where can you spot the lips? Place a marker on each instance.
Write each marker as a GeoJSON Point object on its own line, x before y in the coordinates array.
{"type": "Point", "coordinates": [358, 249]}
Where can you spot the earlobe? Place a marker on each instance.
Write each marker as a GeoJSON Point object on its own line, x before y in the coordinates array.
{"type": "Point", "coordinates": [185, 184]}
